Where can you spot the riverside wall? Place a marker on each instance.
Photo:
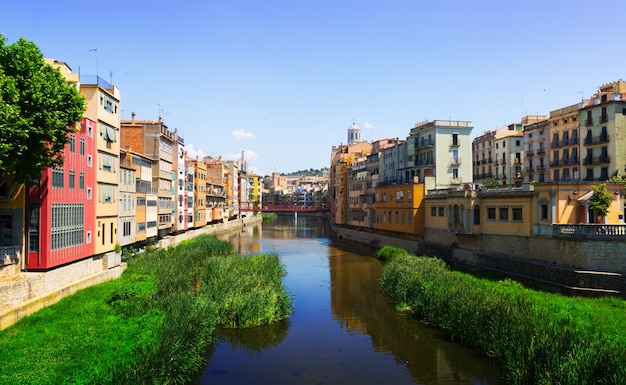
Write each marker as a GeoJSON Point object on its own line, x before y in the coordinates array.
{"type": "Point", "coordinates": [27, 292]}
{"type": "Point", "coordinates": [569, 266]}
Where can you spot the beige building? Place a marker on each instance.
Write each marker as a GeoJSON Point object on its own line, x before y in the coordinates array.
{"type": "Point", "coordinates": [103, 101]}
{"type": "Point", "coordinates": [564, 127]}
{"type": "Point", "coordinates": [603, 125]}
{"type": "Point", "coordinates": [536, 143]}
{"type": "Point", "coordinates": [442, 149]}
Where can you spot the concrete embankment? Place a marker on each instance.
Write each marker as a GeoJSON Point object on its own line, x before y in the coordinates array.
{"type": "Point", "coordinates": [28, 292]}
{"type": "Point", "coordinates": [569, 280]}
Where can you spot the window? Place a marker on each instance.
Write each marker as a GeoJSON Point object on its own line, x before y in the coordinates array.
{"type": "Point", "coordinates": [126, 228]}
{"type": "Point", "coordinates": [82, 146]}
{"type": "Point", "coordinates": [72, 143]}
{"type": "Point", "coordinates": [107, 162]}
{"type": "Point", "coordinates": [477, 215]}
{"type": "Point", "coordinates": [89, 193]}
{"type": "Point", "coordinates": [442, 211]}
{"type": "Point", "coordinates": [455, 139]}
{"type": "Point", "coordinates": [81, 181]}
{"type": "Point", "coordinates": [491, 213]}
{"type": "Point", "coordinates": [504, 213]}
{"type": "Point", "coordinates": [544, 212]}
{"type": "Point", "coordinates": [58, 177]}
{"type": "Point", "coordinates": [433, 211]}
{"type": "Point", "coordinates": [72, 180]}
{"type": "Point", "coordinates": [89, 161]}
{"type": "Point", "coordinates": [517, 214]}
{"type": "Point", "coordinates": [67, 225]}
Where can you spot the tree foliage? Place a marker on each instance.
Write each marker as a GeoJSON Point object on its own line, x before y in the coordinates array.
{"type": "Point", "coordinates": [600, 200]}
{"type": "Point", "coordinates": [38, 110]}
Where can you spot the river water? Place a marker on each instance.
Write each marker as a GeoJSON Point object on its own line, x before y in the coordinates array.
{"type": "Point", "coordinates": [343, 329]}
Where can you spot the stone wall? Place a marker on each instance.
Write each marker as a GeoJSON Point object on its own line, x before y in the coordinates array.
{"type": "Point", "coordinates": [26, 292]}
{"type": "Point", "coordinates": [569, 266]}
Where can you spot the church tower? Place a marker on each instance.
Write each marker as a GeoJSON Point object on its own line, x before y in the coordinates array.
{"type": "Point", "coordinates": [354, 134]}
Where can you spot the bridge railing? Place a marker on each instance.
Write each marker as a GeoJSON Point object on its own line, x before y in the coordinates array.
{"type": "Point", "coordinates": [284, 207]}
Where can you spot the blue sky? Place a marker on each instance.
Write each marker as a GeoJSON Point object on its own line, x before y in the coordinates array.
{"type": "Point", "coordinates": [283, 80]}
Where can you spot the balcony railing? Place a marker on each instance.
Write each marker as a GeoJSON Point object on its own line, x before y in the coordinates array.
{"type": "Point", "coordinates": [10, 251]}
{"type": "Point", "coordinates": [590, 231]}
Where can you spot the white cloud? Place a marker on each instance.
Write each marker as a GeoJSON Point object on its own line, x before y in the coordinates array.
{"type": "Point", "coordinates": [193, 152]}
{"type": "Point", "coordinates": [242, 134]}
{"type": "Point", "coordinates": [368, 125]}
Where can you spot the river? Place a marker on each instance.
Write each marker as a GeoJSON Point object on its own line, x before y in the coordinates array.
{"type": "Point", "coordinates": [343, 329]}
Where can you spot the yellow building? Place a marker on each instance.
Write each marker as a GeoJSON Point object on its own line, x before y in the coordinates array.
{"type": "Point", "coordinates": [199, 184]}
{"type": "Point", "coordinates": [520, 210]}
{"type": "Point", "coordinates": [399, 208]}
{"type": "Point", "coordinates": [103, 100]}
{"type": "Point", "coordinates": [12, 201]}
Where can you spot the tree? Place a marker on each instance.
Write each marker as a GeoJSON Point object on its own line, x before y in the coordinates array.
{"type": "Point", "coordinates": [600, 199]}
{"type": "Point", "coordinates": [38, 110]}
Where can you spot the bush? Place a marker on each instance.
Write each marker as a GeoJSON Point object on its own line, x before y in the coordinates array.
{"type": "Point", "coordinates": [387, 252]}
{"type": "Point", "coordinates": [540, 338]}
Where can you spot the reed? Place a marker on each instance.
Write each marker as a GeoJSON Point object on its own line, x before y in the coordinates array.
{"type": "Point", "coordinates": [154, 325]}
{"type": "Point", "coordinates": [538, 337]}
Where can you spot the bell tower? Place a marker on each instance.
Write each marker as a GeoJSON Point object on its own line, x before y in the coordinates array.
{"type": "Point", "coordinates": [354, 133]}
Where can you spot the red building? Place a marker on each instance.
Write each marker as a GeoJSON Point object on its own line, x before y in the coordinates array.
{"type": "Point", "coordinates": [61, 209]}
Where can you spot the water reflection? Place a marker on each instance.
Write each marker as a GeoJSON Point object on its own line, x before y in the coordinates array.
{"type": "Point", "coordinates": [343, 330]}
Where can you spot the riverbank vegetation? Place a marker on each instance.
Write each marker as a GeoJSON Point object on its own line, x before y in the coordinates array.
{"type": "Point", "coordinates": [539, 338]}
{"type": "Point", "coordinates": [153, 325]}
{"type": "Point", "coordinates": [269, 217]}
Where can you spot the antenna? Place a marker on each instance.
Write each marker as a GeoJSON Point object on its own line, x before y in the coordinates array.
{"type": "Point", "coordinates": [95, 51]}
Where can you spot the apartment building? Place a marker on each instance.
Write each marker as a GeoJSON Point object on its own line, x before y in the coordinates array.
{"type": "Point", "coordinates": [217, 174]}
{"type": "Point", "coordinates": [189, 197]}
{"type": "Point", "coordinates": [602, 123]}
{"type": "Point", "coordinates": [179, 204]}
{"type": "Point", "coordinates": [564, 126]}
{"type": "Point", "coordinates": [153, 139]}
{"type": "Point", "coordinates": [103, 101]}
{"type": "Point", "coordinates": [358, 214]}
{"type": "Point", "coordinates": [61, 208]}
{"type": "Point", "coordinates": [441, 148]}
{"type": "Point", "coordinates": [537, 142]}
{"type": "Point", "coordinates": [199, 195]}
{"type": "Point", "coordinates": [146, 215]}
{"type": "Point", "coordinates": [341, 161]}
{"type": "Point", "coordinates": [127, 208]}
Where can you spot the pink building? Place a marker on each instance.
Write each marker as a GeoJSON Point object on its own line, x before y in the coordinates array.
{"type": "Point", "coordinates": [61, 209]}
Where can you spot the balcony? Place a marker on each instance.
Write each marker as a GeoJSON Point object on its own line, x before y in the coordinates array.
{"type": "Point", "coordinates": [455, 162]}
{"type": "Point", "coordinates": [455, 180]}
{"type": "Point", "coordinates": [573, 141]}
{"type": "Point", "coordinates": [530, 153]}
{"type": "Point", "coordinates": [541, 151]}
{"type": "Point", "coordinates": [540, 168]}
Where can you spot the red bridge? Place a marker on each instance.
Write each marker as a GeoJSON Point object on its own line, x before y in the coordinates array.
{"type": "Point", "coordinates": [310, 207]}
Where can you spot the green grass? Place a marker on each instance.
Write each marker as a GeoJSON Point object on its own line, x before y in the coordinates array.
{"type": "Point", "coordinates": [539, 338]}
{"type": "Point", "coordinates": [154, 325]}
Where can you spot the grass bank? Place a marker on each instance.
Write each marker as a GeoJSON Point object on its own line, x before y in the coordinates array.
{"type": "Point", "coordinates": [539, 338]}
{"type": "Point", "coordinates": [154, 325]}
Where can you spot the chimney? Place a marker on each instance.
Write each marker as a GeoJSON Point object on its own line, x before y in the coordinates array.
{"type": "Point", "coordinates": [132, 117]}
